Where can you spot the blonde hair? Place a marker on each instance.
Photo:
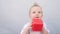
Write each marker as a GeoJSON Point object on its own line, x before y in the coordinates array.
{"type": "Point", "coordinates": [35, 4]}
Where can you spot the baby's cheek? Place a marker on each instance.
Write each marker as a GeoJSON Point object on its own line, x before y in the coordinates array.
{"type": "Point", "coordinates": [33, 16]}
{"type": "Point", "coordinates": [40, 15]}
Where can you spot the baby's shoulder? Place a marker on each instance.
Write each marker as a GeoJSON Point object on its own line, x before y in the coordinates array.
{"type": "Point", "coordinates": [26, 25]}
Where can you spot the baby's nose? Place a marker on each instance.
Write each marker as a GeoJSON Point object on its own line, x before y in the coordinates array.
{"type": "Point", "coordinates": [37, 13]}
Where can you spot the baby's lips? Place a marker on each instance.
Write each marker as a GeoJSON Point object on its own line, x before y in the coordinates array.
{"type": "Point", "coordinates": [36, 17]}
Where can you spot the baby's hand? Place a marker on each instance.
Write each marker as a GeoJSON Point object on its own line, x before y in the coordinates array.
{"type": "Point", "coordinates": [26, 30]}
{"type": "Point", "coordinates": [29, 27]}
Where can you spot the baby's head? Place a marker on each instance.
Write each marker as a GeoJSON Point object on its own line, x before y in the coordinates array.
{"type": "Point", "coordinates": [35, 12]}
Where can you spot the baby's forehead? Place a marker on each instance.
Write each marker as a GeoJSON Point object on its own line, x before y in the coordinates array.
{"type": "Point", "coordinates": [36, 8]}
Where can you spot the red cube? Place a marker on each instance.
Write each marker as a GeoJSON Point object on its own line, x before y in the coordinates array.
{"type": "Point", "coordinates": [37, 25]}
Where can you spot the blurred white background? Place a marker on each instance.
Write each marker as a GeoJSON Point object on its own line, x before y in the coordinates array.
{"type": "Point", "coordinates": [14, 14]}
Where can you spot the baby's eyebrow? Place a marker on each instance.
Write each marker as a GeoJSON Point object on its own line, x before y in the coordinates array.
{"type": "Point", "coordinates": [40, 11]}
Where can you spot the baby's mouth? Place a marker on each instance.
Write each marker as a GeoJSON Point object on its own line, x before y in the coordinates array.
{"type": "Point", "coordinates": [36, 17]}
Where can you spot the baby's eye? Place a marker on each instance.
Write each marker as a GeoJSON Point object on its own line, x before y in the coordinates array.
{"type": "Point", "coordinates": [34, 12]}
{"type": "Point", "coordinates": [39, 12]}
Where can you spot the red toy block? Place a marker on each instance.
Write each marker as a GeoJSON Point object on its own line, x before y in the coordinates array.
{"type": "Point", "coordinates": [37, 24]}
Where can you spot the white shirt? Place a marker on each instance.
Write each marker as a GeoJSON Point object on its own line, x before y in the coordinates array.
{"type": "Point", "coordinates": [44, 25]}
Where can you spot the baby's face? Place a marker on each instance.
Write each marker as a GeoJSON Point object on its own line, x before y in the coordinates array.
{"type": "Point", "coordinates": [36, 12]}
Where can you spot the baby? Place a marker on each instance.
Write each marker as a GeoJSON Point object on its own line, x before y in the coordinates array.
{"type": "Point", "coordinates": [35, 12]}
